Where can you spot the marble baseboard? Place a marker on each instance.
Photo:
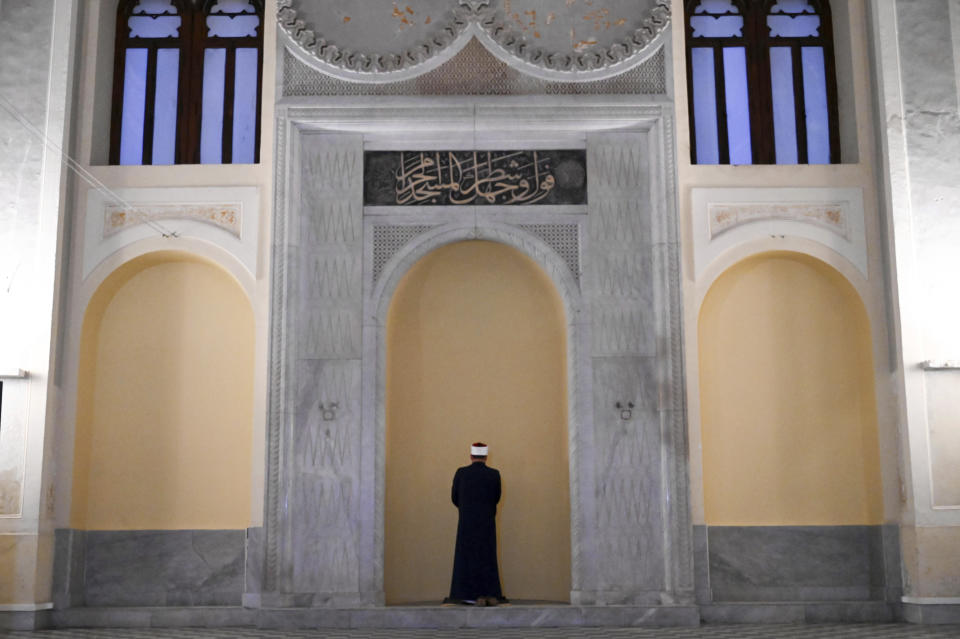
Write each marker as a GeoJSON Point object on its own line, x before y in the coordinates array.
{"type": "Point", "coordinates": [171, 617]}
{"type": "Point", "coordinates": [514, 616]}
{"type": "Point", "coordinates": [380, 617]}
{"type": "Point", "coordinates": [150, 568]}
{"type": "Point", "coordinates": [930, 613]}
{"type": "Point", "coordinates": [798, 612]}
{"type": "Point", "coordinates": [25, 619]}
{"type": "Point", "coordinates": [800, 564]}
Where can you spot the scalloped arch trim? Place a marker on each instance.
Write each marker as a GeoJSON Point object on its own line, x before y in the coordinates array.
{"type": "Point", "coordinates": [488, 22]}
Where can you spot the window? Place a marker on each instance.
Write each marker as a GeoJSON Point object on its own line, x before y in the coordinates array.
{"type": "Point", "coordinates": [761, 82]}
{"type": "Point", "coordinates": [187, 82]}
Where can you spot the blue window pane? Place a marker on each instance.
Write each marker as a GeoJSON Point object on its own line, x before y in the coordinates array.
{"type": "Point", "coordinates": [716, 7]}
{"type": "Point", "coordinates": [815, 103]}
{"type": "Point", "coordinates": [155, 7]}
{"type": "Point", "coordinates": [150, 27]}
{"type": "Point", "coordinates": [738, 104]}
{"type": "Point", "coordinates": [232, 26]}
{"type": "Point", "coordinates": [233, 6]}
{"type": "Point", "coordinates": [705, 106]}
{"type": "Point", "coordinates": [717, 26]}
{"type": "Point", "coordinates": [165, 106]}
{"type": "Point", "coordinates": [784, 111]}
{"type": "Point", "coordinates": [794, 27]}
{"type": "Point", "coordinates": [134, 103]}
{"type": "Point", "coordinates": [211, 123]}
{"type": "Point", "coordinates": [793, 19]}
{"type": "Point", "coordinates": [245, 106]}
{"type": "Point", "coordinates": [713, 20]}
{"type": "Point", "coordinates": [792, 7]}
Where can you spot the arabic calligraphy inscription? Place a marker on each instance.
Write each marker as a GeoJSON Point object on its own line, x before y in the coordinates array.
{"type": "Point", "coordinates": [430, 178]}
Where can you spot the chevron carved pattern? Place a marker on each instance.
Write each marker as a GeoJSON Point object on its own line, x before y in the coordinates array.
{"type": "Point", "coordinates": [619, 221]}
{"type": "Point", "coordinates": [330, 276]}
{"type": "Point", "coordinates": [624, 316]}
{"type": "Point", "coordinates": [618, 166]}
{"type": "Point", "coordinates": [324, 493]}
{"type": "Point", "coordinates": [623, 330]}
{"type": "Point", "coordinates": [323, 449]}
{"type": "Point", "coordinates": [331, 222]}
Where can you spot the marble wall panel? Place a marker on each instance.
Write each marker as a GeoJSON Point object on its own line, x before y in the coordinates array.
{"type": "Point", "coordinates": [325, 219]}
{"type": "Point", "coordinates": [164, 568]}
{"type": "Point", "coordinates": [629, 500]}
{"type": "Point", "coordinates": [323, 525]}
{"type": "Point", "coordinates": [323, 489]}
{"type": "Point", "coordinates": [624, 277]}
{"type": "Point", "coordinates": [328, 333]}
{"type": "Point", "coordinates": [796, 563]}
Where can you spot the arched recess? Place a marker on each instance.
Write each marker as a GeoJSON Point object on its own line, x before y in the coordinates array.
{"type": "Point", "coordinates": [582, 523]}
{"type": "Point", "coordinates": [476, 351]}
{"type": "Point", "coordinates": [787, 400]}
{"type": "Point", "coordinates": [164, 399]}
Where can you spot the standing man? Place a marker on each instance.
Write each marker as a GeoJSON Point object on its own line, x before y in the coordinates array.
{"type": "Point", "coordinates": [476, 492]}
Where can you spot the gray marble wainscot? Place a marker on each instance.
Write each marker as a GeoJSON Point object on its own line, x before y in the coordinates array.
{"type": "Point", "coordinates": [796, 563]}
{"type": "Point", "coordinates": [164, 568]}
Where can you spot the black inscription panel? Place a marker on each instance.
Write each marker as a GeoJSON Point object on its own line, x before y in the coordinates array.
{"type": "Point", "coordinates": [425, 178]}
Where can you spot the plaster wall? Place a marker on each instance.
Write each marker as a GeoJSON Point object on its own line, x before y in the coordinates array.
{"type": "Point", "coordinates": [242, 250]}
{"type": "Point", "coordinates": [915, 52]}
{"type": "Point", "coordinates": [165, 405]}
{"type": "Point", "coordinates": [789, 410]}
{"type": "Point", "coordinates": [35, 45]}
{"type": "Point", "coordinates": [476, 351]}
{"type": "Point", "coordinates": [24, 293]}
{"type": "Point", "coordinates": [932, 123]}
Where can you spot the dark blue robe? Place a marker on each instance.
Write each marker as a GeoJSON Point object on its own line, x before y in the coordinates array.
{"type": "Point", "coordinates": [476, 492]}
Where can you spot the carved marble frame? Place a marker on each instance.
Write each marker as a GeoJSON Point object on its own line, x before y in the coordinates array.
{"type": "Point", "coordinates": [403, 124]}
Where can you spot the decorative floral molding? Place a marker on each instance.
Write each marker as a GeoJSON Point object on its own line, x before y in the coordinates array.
{"type": "Point", "coordinates": [831, 215]}
{"type": "Point", "coordinates": [338, 56]}
{"type": "Point", "coordinates": [728, 219]}
{"type": "Point", "coordinates": [502, 29]}
{"type": "Point", "coordinates": [117, 218]}
{"type": "Point", "coordinates": [607, 43]}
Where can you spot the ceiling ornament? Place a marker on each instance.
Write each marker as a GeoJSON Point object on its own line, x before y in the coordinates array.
{"type": "Point", "coordinates": [388, 41]}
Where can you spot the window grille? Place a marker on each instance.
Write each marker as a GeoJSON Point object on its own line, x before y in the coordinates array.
{"type": "Point", "coordinates": [187, 82]}
{"type": "Point", "coordinates": [761, 82]}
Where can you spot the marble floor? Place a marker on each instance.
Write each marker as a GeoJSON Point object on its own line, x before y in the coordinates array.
{"type": "Point", "coordinates": [784, 631]}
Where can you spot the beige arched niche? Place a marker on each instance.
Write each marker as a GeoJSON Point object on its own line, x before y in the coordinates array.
{"type": "Point", "coordinates": [476, 350]}
{"type": "Point", "coordinates": [164, 399]}
{"type": "Point", "coordinates": [788, 410]}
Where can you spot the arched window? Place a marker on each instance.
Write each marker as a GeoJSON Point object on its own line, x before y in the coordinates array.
{"type": "Point", "coordinates": [231, 82]}
{"type": "Point", "coordinates": [761, 82]}
{"type": "Point", "coordinates": [187, 82]}
{"type": "Point", "coordinates": [803, 84]}
{"type": "Point", "coordinates": [148, 81]}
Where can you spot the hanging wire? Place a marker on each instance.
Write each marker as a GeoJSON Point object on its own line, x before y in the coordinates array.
{"type": "Point", "coordinates": [83, 173]}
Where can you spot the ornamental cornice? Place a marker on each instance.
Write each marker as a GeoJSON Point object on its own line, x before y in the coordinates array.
{"type": "Point", "coordinates": [386, 41]}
